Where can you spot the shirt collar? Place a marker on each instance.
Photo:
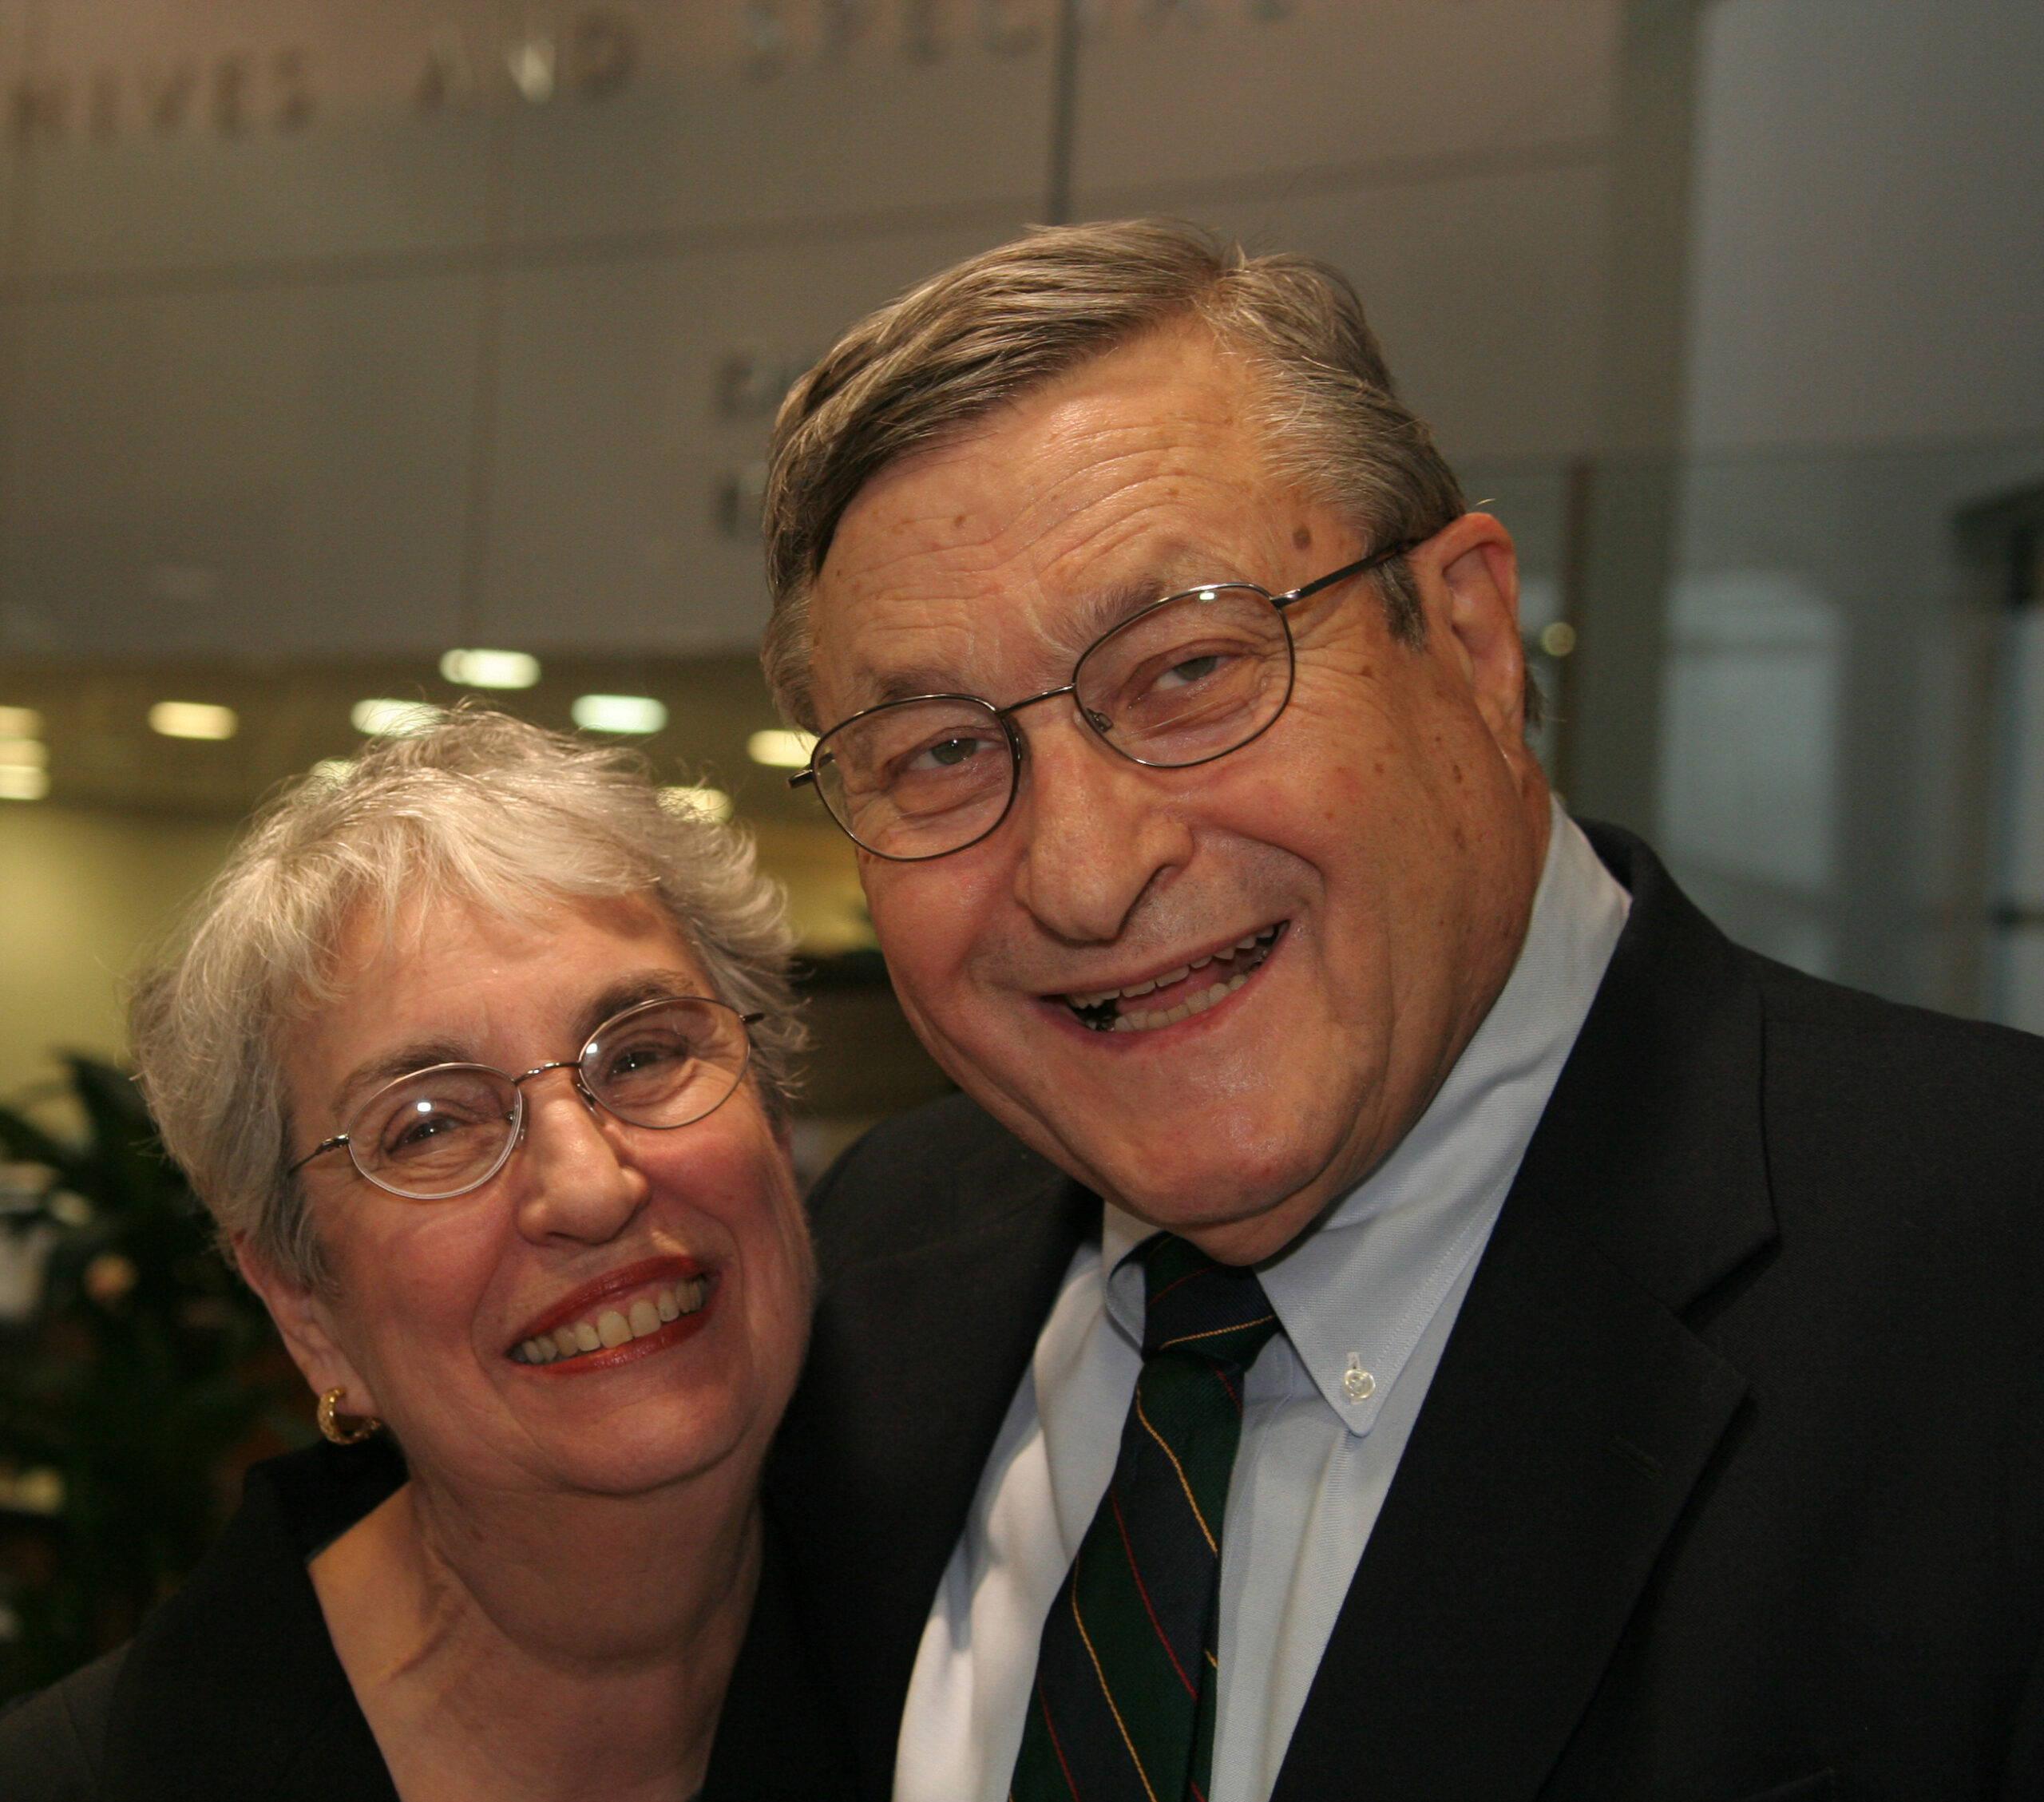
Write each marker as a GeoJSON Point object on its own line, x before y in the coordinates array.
{"type": "Point", "coordinates": [1355, 1292]}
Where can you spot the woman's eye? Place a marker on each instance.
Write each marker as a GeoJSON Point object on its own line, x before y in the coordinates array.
{"type": "Point", "coordinates": [634, 1058]}
{"type": "Point", "coordinates": [417, 1129]}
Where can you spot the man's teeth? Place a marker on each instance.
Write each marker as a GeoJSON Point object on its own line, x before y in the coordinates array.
{"type": "Point", "coordinates": [648, 1314]}
{"type": "Point", "coordinates": [1105, 1018]}
{"type": "Point", "coordinates": [1136, 1020]}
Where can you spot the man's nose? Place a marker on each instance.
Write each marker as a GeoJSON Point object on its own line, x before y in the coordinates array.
{"type": "Point", "coordinates": [1096, 831]}
{"type": "Point", "coordinates": [575, 1179]}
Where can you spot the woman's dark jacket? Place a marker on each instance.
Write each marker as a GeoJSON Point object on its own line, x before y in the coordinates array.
{"type": "Point", "coordinates": [232, 1690]}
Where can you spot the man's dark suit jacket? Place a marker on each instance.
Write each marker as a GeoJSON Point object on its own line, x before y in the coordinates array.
{"type": "Point", "coordinates": [1731, 1481]}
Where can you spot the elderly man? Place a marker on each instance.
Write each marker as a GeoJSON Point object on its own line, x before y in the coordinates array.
{"type": "Point", "coordinates": [1403, 1308]}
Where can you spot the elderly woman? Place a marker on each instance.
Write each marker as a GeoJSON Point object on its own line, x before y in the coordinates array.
{"type": "Point", "coordinates": [479, 1057]}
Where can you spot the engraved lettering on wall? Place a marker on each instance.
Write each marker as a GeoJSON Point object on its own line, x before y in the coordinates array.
{"type": "Point", "coordinates": [229, 94]}
{"type": "Point", "coordinates": [552, 54]}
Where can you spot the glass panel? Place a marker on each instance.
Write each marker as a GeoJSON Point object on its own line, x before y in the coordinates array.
{"type": "Point", "coordinates": [2016, 973]}
{"type": "Point", "coordinates": [1748, 740]}
{"type": "Point", "coordinates": [1821, 695]}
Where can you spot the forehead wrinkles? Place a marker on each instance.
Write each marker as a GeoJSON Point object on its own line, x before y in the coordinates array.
{"type": "Point", "coordinates": [990, 624]}
{"type": "Point", "coordinates": [950, 574]}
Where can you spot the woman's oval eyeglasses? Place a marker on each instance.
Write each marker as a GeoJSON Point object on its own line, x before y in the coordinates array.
{"type": "Point", "coordinates": [437, 1133]}
{"type": "Point", "coordinates": [1187, 679]}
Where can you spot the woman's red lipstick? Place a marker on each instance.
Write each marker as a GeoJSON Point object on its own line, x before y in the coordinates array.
{"type": "Point", "coordinates": [670, 1280]}
{"type": "Point", "coordinates": [581, 1303]}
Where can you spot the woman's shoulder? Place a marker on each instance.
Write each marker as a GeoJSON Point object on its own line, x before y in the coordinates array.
{"type": "Point", "coordinates": [52, 1745]}
{"type": "Point", "coordinates": [234, 1678]}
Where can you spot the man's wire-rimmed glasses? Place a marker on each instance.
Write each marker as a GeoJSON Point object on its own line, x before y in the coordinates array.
{"type": "Point", "coordinates": [437, 1133]}
{"type": "Point", "coordinates": [1180, 682]}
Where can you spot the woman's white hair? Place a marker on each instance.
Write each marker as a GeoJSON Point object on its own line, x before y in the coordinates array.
{"type": "Point", "coordinates": [482, 810]}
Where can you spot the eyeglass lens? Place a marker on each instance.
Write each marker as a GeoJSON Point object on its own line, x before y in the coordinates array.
{"type": "Point", "coordinates": [1188, 680]}
{"type": "Point", "coordinates": [437, 1133]}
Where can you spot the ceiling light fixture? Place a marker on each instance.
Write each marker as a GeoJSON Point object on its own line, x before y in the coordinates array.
{"type": "Point", "coordinates": [490, 669]}
{"type": "Point", "coordinates": [193, 719]}
{"type": "Point", "coordinates": [781, 750]}
{"type": "Point", "coordinates": [710, 803]}
{"type": "Point", "coordinates": [19, 782]}
{"type": "Point", "coordinates": [384, 717]}
{"type": "Point", "coordinates": [19, 722]}
{"type": "Point", "coordinates": [636, 714]}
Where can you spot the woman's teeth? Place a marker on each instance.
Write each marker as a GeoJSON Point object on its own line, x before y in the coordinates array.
{"type": "Point", "coordinates": [1237, 963]}
{"type": "Point", "coordinates": [648, 1314]}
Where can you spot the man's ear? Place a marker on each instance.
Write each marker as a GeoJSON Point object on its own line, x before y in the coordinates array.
{"type": "Point", "coordinates": [1469, 574]}
{"type": "Point", "coordinates": [305, 1320]}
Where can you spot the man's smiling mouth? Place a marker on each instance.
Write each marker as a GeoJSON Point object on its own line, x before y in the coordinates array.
{"type": "Point", "coordinates": [1178, 994]}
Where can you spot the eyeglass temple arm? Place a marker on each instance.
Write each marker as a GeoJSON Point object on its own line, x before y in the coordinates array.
{"type": "Point", "coordinates": [801, 776]}
{"type": "Point", "coordinates": [1376, 560]}
{"type": "Point", "coordinates": [318, 1150]}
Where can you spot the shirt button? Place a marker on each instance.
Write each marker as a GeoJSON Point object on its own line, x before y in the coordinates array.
{"type": "Point", "coordinates": [1357, 1383]}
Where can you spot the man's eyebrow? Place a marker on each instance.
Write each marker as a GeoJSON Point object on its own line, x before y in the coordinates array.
{"type": "Point", "coordinates": [1090, 619]}
{"type": "Point", "coordinates": [415, 1055]}
{"type": "Point", "coordinates": [877, 688]}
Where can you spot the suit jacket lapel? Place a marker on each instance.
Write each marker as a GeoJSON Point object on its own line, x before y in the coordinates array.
{"type": "Point", "coordinates": [1574, 1410]}
{"type": "Point", "coordinates": [880, 1455]}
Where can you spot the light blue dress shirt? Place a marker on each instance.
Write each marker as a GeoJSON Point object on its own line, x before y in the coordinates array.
{"type": "Point", "coordinates": [1367, 1300]}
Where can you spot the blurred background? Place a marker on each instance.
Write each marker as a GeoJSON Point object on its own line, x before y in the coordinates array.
{"type": "Point", "coordinates": [358, 355]}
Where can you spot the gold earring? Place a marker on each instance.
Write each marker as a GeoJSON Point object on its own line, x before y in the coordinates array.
{"type": "Point", "coordinates": [358, 1427]}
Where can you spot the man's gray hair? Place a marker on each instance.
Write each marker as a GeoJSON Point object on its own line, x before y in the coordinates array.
{"type": "Point", "coordinates": [482, 810]}
{"type": "Point", "coordinates": [929, 365]}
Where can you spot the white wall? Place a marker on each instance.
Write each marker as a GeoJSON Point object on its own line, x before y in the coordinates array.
{"type": "Point", "coordinates": [1868, 256]}
{"type": "Point", "coordinates": [81, 893]}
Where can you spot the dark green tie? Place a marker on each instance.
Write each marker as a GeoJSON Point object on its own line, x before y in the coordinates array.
{"type": "Point", "coordinates": [1125, 1697]}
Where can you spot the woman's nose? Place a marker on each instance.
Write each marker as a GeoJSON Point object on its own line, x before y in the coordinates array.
{"type": "Point", "coordinates": [576, 1177]}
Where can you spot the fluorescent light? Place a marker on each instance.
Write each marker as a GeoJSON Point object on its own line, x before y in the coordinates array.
{"type": "Point", "coordinates": [19, 722]}
{"type": "Point", "coordinates": [24, 754]}
{"type": "Point", "coordinates": [781, 750]}
{"type": "Point", "coordinates": [490, 669]}
{"type": "Point", "coordinates": [712, 803]}
{"type": "Point", "coordinates": [330, 770]}
{"type": "Point", "coordinates": [19, 782]}
{"type": "Point", "coordinates": [193, 719]}
{"type": "Point", "coordinates": [619, 712]}
{"type": "Point", "coordinates": [386, 719]}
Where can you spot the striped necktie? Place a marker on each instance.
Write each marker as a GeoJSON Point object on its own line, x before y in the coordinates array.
{"type": "Point", "coordinates": [1125, 1697]}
